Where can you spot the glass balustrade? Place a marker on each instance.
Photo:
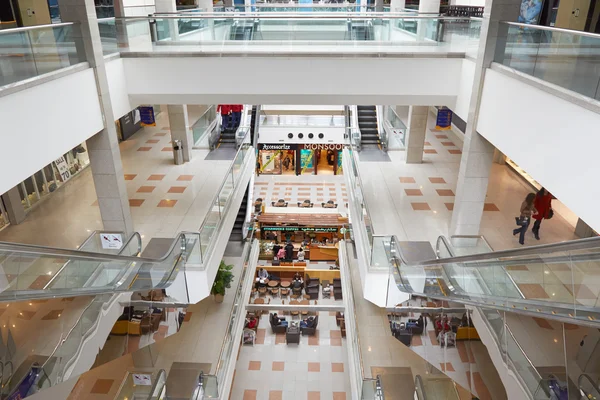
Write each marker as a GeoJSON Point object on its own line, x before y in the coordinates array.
{"type": "Point", "coordinates": [29, 52]}
{"type": "Point", "coordinates": [140, 385]}
{"type": "Point", "coordinates": [254, 31]}
{"type": "Point", "coordinates": [565, 58]}
{"type": "Point", "coordinates": [563, 275]}
{"type": "Point", "coordinates": [202, 127]}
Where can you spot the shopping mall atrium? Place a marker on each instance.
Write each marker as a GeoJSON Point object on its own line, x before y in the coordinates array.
{"type": "Point", "coordinates": [301, 200]}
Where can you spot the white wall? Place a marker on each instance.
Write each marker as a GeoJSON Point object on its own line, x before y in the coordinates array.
{"type": "Point", "coordinates": [117, 85]}
{"type": "Point", "coordinates": [276, 80]}
{"type": "Point", "coordinates": [39, 124]}
{"type": "Point", "coordinates": [279, 135]}
{"type": "Point", "coordinates": [554, 140]}
{"type": "Point", "coordinates": [465, 89]}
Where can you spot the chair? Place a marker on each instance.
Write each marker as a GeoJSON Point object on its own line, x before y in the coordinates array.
{"type": "Point", "coordinates": [284, 292]}
{"type": "Point", "coordinates": [248, 337]}
{"type": "Point", "coordinates": [274, 291]}
{"type": "Point", "coordinates": [262, 290]}
{"type": "Point", "coordinates": [310, 331]}
{"type": "Point", "coordinates": [312, 292]}
{"type": "Point", "coordinates": [311, 282]}
{"type": "Point", "coordinates": [297, 291]}
{"type": "Point", "coordinates": [276, 328]}
{"type": "Point", "coordinates": [326, 294]}
{"type": "Point", "coordinates": [294, 313]}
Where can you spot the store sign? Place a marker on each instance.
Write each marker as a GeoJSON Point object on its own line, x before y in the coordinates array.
{"type": "Point", "coordinates": [298, 229]}
{"type": "Point", "coordinates": [327, 146]}
{"type": "Point", "coordinates": [444, 119]}
{"type": "Point", "coordinates": [111, 241]}
{"type": "Point", "coordinates": [278, 146]}
{"type": "Point", "coordinates": [63, 169]}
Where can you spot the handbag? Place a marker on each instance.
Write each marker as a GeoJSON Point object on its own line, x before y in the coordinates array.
{"type": "Point", "coordinates": [522, 221]}
{"type": "Point", "coordinates": [550, 214]}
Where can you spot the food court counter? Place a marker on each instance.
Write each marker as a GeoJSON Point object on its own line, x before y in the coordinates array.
{"type": "Point", "coordinates": [323, 252]}
{"type": "Point", "coordinates": [288, 271]}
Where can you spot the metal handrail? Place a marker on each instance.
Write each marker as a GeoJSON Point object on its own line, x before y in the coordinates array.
{"type": "Point", "coordinates": [35, 28]}
{"type": "Point", "coordinates": [580, 244]}
{"type": "Point", "coordinates": [552, 29]}
{"type": "Point", "coordinates": [419, 384]}
{"type": "Point", "coordinates": [157, 379]}
{"type": "Point", "coordinates": [273, 15]}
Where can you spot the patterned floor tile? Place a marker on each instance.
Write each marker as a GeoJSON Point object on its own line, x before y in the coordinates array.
{"type": "Point", "coordinates": [136, 202]}
{"type": "Point", "coordinates": [166, 203]}
{"type": "Point", "coordinates": [146, 189]}
{"type": "Point", "coordinates": [177, 189]}
{"type": "Point", "coordinates": [420, 206]}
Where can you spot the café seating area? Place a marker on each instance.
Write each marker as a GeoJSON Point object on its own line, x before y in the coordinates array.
{"type": "Point", "coordinates": [138, 322]}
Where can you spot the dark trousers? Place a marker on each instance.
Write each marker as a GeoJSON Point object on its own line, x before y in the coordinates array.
{"type": "Point", "coordinates": [237, 119]}
{"type": "Point", "coordinates": [536, 226]}
{"type": "Point", "coordinates": [225, 122]}
{"type": "Point", "coordinates": [521, 231]}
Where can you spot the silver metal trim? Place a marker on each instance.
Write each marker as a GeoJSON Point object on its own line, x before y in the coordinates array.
{"type": "Point", "coordinates": [552, 29]}
{"type": "Point", "coordinates": [35, 28]}
{"type": "Point", "coordinates": [293, 15]}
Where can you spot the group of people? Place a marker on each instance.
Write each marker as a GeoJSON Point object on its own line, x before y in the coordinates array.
{"type": "Point", "coordinates": [287, 252]}
{"type": "Point", "coordinates": [537, 206]}
{"type": "Point", "coordinates": [231, 116]}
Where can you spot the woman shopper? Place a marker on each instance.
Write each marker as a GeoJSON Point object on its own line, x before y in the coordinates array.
{"type": "Point", "coordinates": [527, 209]}
{"type": "Point", "coordinates": [543, 205]}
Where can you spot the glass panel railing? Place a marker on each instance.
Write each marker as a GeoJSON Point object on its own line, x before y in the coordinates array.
{"type": "Point", "coordinates": [381, 31]}
{"type": "Point", "coordinates": [489, 279]}
{"type": "Point", "coordinates": [140, 385]}
{"type": "Point", "coordinates": [395, 128]}
{"type": "Point", "coordinates": [438, 388]}
{"type": "Point", "coordinates": [29, 52]}
{"type": "Point", "coordinates": [203, 126]}
{"type": "Point", "coordinates": [588, 387]}
{"type": "Point", "coordinates": [358, 200]}
{"type": "Point", "coordinates": [108, 36]}
{"type": "Point", "coordinates": [569, 59]}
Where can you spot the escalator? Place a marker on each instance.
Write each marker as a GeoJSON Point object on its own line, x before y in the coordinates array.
{"type": "Point", "coordinates": [367, 123]}
{"type": "Point", "coordinates": [361, 30]}
{"type": "Point", "coordinates": [237, 233]}
{"type": "Point", "coordinates": [242, 30]}
{"type": "Point", "coordinates": [588, 388]}
{"type": "Point", "coordinates": [253, 125]}
{"type": "Point", "coordinates": [486, 279]}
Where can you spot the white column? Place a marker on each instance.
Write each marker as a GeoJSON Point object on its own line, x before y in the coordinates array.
{"type": "Point", "coordinates": [207, 5]}
{"type": "Point", "coordinates": [429, 6]}
{"type": "Point", "coordinates": [478, 153]}
{"type": "Point", "coordinates": [103, 147]}
{"type": "Point", "coordinates": [397, 5]}
{"type": "Point", "coordinates": [415, 134]}
{"type": "Point", "coordinates": [180, 128]}
{"type": "Point", "coordinates": [14, 207]}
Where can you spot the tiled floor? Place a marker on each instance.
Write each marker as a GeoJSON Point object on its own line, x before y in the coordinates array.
{"type": "Point", "coordinates": [293, 189]}
{"type": "Point", "coordinates": [415, 201]}
{"type": "Point", "coordinates": [314, 369]}
{"type": "Point", "coordinates": [164, 198]}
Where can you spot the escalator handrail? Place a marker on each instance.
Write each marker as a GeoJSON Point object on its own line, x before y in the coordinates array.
{"type": "Point", "coordinates": [33, 365]}
{"type": "Point", "coordinates": [86, 255]}
{"type": "Point", "coordinates": [155, 384]}
{"type": "Point", "coordinates": [589, 378]}
{"type": "Point", "coordinates": [580, 244]}
{"type": "Point", "coordinates": [419, 384]}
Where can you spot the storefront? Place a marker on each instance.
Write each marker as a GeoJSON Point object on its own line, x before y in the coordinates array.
{"type": "Point", "coordinates": [276, 159]}
{"type": "Point", "coordinates": [45, 181]}
{"type": "Point", "coordinates": [299, 159]}
{"type": "Point", "coordinates": [317, 233]}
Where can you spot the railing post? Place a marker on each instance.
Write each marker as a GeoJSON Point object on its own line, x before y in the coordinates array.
{"type": "Point", "coordinates": [153, 29]}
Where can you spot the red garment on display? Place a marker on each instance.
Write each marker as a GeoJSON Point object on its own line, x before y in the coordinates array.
{"type": "Point", "coordinates": [224, 109]}
{"type": "Point", "coordinates": [542, 204]}
{"type": "Point", "coordinates": [237, 107]}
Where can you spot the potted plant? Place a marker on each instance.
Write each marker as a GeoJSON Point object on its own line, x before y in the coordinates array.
{"type": "Point", "coordinates": [222, 281]}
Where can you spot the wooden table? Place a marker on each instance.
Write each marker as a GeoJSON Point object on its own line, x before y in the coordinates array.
{"type": "Point", "coordinates": [259, 301]}
{"type": "Point", "coordinates": [273, 283]}
{"type": "Point", "coordinates": [286, 284]}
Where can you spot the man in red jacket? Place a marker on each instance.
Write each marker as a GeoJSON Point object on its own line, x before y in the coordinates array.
{"type": "Point", "coordinates": [225, 110]}
{"type": "Point", "coordinates": [543, 205]}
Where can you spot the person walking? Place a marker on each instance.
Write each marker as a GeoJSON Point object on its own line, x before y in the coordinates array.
{"type": "Point", "coordinates": [523, 220]}
{"type": "Point", "coordinates": [226, 118]}
{"type": "Point", "coordinates": [543, 205]}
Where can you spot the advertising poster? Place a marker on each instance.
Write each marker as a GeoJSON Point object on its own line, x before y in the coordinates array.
{"type": "Point", "coordinates": [306, 159]}
{"type": "Point", "coordinates": [339, 163]}
{"type": "Point", "coordinates": [444, 119]}
{"type": "Point", "coordinates": [147, 116]}
{"type": "Point", "coordinates": [530, 11]}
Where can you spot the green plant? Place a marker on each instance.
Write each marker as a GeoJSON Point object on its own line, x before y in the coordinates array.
{"type": "Point", "coordinates": [223, 279]}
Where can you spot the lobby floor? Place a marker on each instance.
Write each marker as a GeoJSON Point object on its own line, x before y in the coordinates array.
{"type": "Point", "coordinates": [164, 198]}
